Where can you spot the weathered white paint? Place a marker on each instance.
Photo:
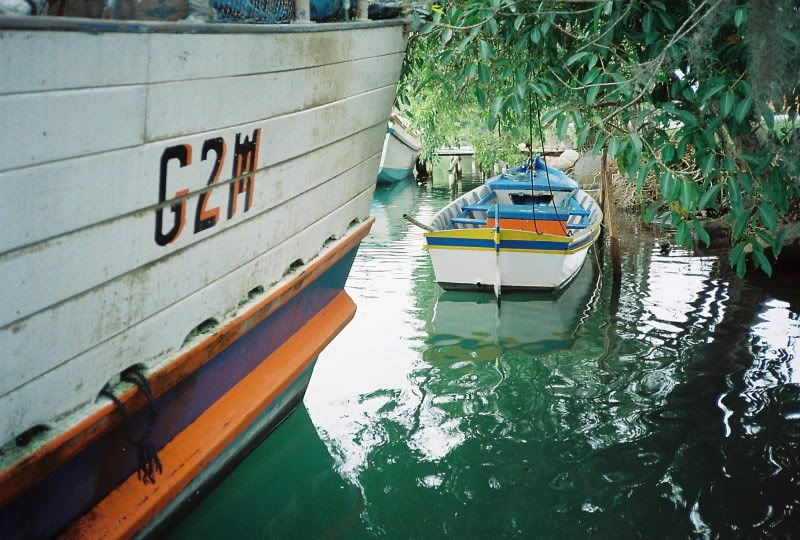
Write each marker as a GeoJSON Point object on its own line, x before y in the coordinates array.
{"type": "Point", "coordinates": [61, 62]}
{"type": "Point", "coordinates": [60, 189]}
{"type": "Point", "coordinates": [74, 385]}
{"type": "Point", "coordinates": [87, 291]}
{"type": "Point", "coordinates": [400, 150]}
{"type": "Point", "coordinates": [49, 126]}
{"type": "Point", "coordinates": [291, 205]}
{"type": "Point", "coordinates": [39, 61]}
{"type": "Point", "coordinates": [184, 107]}
{"type": "Point", "coordinates": [182, 57]}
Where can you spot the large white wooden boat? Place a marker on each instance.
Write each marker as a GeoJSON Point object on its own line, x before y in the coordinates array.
{"type": "Point", "coordinates": [181, 206]}
{"type": "Point", "coordinates": [528, 228]}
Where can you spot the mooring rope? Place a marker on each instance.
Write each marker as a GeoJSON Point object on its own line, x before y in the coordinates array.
{"type": "Point", "coordinates": [544, 158]}
{"type": "Point", "coordinates": [530, 162]}
{"type": "Point", "coordinates": [147, 456]}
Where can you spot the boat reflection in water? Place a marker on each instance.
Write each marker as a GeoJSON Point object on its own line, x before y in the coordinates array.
{"type": "Point", "coordinates": [538, 322]}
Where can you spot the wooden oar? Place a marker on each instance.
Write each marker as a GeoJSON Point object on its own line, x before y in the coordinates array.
{"type": "Point", "coordinates": [418, 223]}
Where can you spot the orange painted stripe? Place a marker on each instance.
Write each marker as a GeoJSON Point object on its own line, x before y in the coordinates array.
{"type": "Point", "coordinates": [133, 504]}
{"type": "Point", "coordinates": [548, 226]}
{"type": "Point", "coordinates": [52, 454]}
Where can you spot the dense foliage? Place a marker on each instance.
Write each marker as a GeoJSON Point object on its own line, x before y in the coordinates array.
{"type": "Point", "coordinates": [697, 96]}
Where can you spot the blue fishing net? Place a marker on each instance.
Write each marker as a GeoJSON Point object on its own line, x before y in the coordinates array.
{"type": "Point", "coordinates": [255, 11]}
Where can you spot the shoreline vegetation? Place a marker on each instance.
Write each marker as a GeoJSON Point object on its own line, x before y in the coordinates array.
{"type": "Point", "coordinates": [695, 106]}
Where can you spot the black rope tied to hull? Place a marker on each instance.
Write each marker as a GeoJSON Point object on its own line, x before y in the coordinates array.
{"type": "Point", "coordinates": [147, 456]}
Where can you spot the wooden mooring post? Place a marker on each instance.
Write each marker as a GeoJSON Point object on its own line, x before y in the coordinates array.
{"type": "Point", "coordinates": [610, 218]}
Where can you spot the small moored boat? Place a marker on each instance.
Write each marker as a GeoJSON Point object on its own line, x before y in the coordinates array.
{"type": "Point", "coordinates": [526, 229]}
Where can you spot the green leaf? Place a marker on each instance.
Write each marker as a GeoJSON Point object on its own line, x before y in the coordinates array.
{"type": "Point", "coordinates": [777, 244]}
{"type": "Point", "coordinates": [689, 195]}
{"type": "Point", "coordinates": [647, 22]}
{"type": "Point", "coordinates": [446, 36]}
{"type": "Point", "coordinates": [497, 105]}
{"type": "Point", "coordinates": [709, 197]}
{"type": "Point", "coordinates": [481, 97]}
{"type": "Point", "coordinates": [545, 27]}
{"type": "Point", "coordinates": [737, 253]}
{"type": "Point", "coordinates": [767, 114]}
{"type": "Point", "coordinates": [739, 17]}
{"type": "Point", "coordinates": [669, 186]}
{"type": "Point", "coordinates": [742, 110]}
{"type": "Point", "coordinates": [536, 35]}
{"type": "Point", "coordinates": [613, 146]}
{"type": "Point", "coordinates": [561, 126]}
{"type": "Point", "coordinates": [763, 262]}
{"type": "Point", "coordinates": [741, 267]}
{"type": "Point", "coordinates": [485, 50]}
{"type": "Point", "coordinates": [636, 141]}
{"type": "Point", "coordinates": [708, 163]}
{"type": "Point", "coordinates": [740, 224]}
{"type": "Point", "coordinates": [711, 91]}
{"type": "Point", "coordinates": [667, 153]}
{"type": "Point", "coordinates": [483, 73]}
{"type": "Point", "coordinates": [726, 104]}
{"type": "Point", "coordinates": [518, 21]}
{"type": "Point", "coordinates": [470, 69]}
{"type": "Point", "coordinates": [768, 215]}
{"type": "Point", "coordinates": [683, 235]}
{"type": "Point", "coordinates": [491, 122]}
{"type": "Point", "coordinates": [702, 234]}
{"type": "Point", "coordinates": [577, 56]}
{"type": "Point", "coordinates": [591, 95]}
{"type": "Point", "coordinates": [550, 115]}
{"type": "Point", "coordinates": [591, 75]}
{"type": "Point", "coordinates": [516, 104]}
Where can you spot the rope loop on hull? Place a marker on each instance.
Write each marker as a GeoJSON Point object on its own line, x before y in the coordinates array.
{"type": "Point", "coordinates": [147, 456]}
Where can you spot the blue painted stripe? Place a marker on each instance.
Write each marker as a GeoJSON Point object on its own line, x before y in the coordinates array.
{"type": "Point", "coordinates": [461, 242]}
{"type": "Point", "coordinates": [489, 244]}
{"type": "Point", "coordinates": [523, 244]}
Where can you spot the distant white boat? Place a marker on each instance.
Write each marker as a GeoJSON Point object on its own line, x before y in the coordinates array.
{"type": "Point", "coordinates": [528, 228]}
{"type": "Point", "coordinates": [400, 151]}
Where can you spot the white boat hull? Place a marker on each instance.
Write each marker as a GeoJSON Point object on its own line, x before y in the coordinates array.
{"type": "Point", "coordinates": [460, 270]}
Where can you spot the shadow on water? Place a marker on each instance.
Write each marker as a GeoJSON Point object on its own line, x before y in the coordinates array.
{"type": "Point", "coordinates": [666, 406]}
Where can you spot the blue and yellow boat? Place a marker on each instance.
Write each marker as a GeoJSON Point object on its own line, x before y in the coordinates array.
{"type": "Point", "coordinates": [526, 229]}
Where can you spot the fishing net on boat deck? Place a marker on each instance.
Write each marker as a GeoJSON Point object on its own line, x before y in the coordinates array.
{"type": "Point", "coordinates": [253, 11]}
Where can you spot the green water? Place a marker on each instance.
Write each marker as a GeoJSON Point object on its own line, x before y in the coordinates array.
{"type": "Point", "coordinates": [669, 407]}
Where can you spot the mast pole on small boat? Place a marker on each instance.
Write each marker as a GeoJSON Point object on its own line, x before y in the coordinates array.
{"type": "Point", "coordinates": [496, 236]}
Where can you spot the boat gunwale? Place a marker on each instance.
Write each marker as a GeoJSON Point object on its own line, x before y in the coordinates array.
{"type": "Point", "coordinates": [28, 470]}
{"type": "Point", "coordinates": [48, 23]}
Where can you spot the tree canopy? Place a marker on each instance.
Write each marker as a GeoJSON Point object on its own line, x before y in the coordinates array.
{"type": "Point", "coordinates": [699, 97]}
